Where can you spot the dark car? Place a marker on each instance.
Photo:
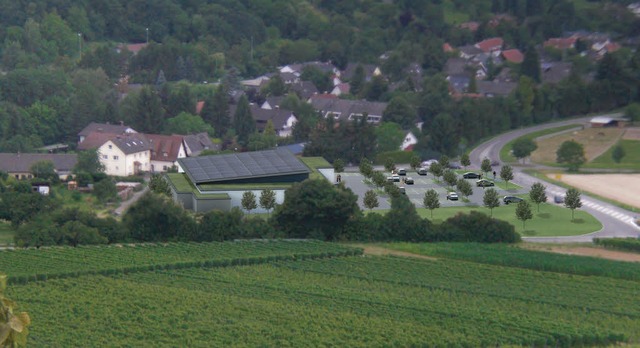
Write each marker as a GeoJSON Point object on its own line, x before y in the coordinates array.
{"type": "Point", "coordinates": [484, 183]}
{"type": "Point", "coordinates": [558, 199]}
{"type": "Point", "coordinates": [408, 181]}
{"type": "Point", "coordinates": [511, 199]}
{"type": "Point", "coordinates": [455, 165]}
{"type": "Point", "coordinates": [471, 175]}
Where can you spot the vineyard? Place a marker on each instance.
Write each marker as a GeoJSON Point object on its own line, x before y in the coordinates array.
{"type": "Point", "coordinates": [24, 265]}
{"type": "Point", "coordinates": [350, 301]}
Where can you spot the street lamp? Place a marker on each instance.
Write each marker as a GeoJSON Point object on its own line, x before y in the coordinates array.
{"type": "Point", "coordinates": [147, 30]}
{"type": "Point", "coordinates": [80, 45]}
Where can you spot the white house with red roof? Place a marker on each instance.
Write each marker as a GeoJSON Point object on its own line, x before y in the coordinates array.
{"type": "Point", "coordinates": [513, 56]}
{"type": "Point", "coordinates": [165, 151]}
{"type": "Point", "coordinates": [121, 154]}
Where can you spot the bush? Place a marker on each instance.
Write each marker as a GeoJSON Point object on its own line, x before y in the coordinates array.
{"type": "Point", "coordinates": [395, 156]}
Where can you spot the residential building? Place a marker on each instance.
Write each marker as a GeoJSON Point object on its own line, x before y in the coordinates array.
{"type": "Point", "coordinates": [165, 151]}
{"type": "Point", "coordinates": [106, 128]}
{"type": "Point", "coordinates": [282, 120]}
{"type": "Point", "coordinates": [194, 144]}
{"type": "Point", "coordinates": [409, 141]}
{"type": "Point", "coordinates": [121, 154]}
{"type": "Point", "coordinates": [349, 109]}
{"type": "Point", "coordinates": [513, 56]}
{"type": "Point", "coordinates": [18, 165]}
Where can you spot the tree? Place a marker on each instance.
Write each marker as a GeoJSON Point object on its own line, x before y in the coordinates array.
{"type": "Point", "coordinates": [444, 134]}
{"type": "Point", "coordinates": [571, 152]}
{"type": "Point", "coordinates": [531, 64]}
{"type": "Point", "coordinates": [506, 174]}
{"type": "Point", "coordinates": [338, 165]}
{"type": "Point", "coordinates": [431, 200]}
{"type": "Point", "coordinates": [105, 190]}
{"type": "Point", "coordinates": [632, 112]}
{"type": "Point", "coordinates": [75, 233]}
{"type": "Point", "coordinates": [316, 208]}
{"type": "Point", "coordinates": [159, 185]}
{"type": "Point", "coordinates": [491, 199]}
{"type": "Point", "coordinates": [370, 199]}
{"type": "Point", "coordinates": [465, 160]}
{"type": "Point", "coordinates": [523, 212]}
{"type": "Point", "coordinates": [356, 84]}
{"type": "Point", "coordinates": [366, 168]}
{"type": "Point", "coordinates": [14, 324]}
{"type": "Point", "coordinates": [44, 170]}
{"type": "Point", "coordinates": [389, 164]}
{"type": "Point", "coordinates": [146, 111]}
{"type": "Point", "coordinates": [523, 147]}
{"type": "Point", "coordinates": [414, 162]}
{"type": "Point", "coordinates": [399, 111]}
{"type": "Point", "coordinates": [485, 166]}
{"type": "Point", "coordinates": [618, 153]}
{"type": "Point", "coordinates": [185, 123]}
{"type": "Point", "coordinates": [216, 111]}
{"type": "Point", "coordinates": [243, 122]}
{"type": "Point", "coordinates": [275, 87]}
{"type": "Point", "coordinates": [88, 162]}
{"type": "Point", "coordinates": [572, 200]}
{"type": "Point", "coordinates": [150, 211]}
{"type": "Point", "coordinates": [248, 201]}
{"type": "Point", "coordinates": [378, 178]}
{"type": "Point", "coordinates": [464, 187]}
{"type": "Point", "coordinates": [444, 162]}
{"type": "Point", "coordinates": [450, 177]}
{"type": "Point", "coordinates": [267, 200]}
{"type": "Point", "coordinates": [436, 169]}
{"type": "Point", "coordinates": [389, 136]}
{"type": "Point", "coordinates": [538, 194]}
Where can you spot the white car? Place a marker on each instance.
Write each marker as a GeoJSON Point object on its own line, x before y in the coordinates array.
{"type": "Point", "coordinates": [452, 196]}
{"type": "Point", "coordinates": [394, 178]}
{"type": "Point", "coordinates": [428, 163]}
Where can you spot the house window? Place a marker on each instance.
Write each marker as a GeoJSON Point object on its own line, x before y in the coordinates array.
{"type": "Point", "coordinates": [110, 147]}
{"type": "Point", "coordinates": [165, 168]}
{"type": "Point", "coordinates": [17, 176]}
{"type": "Point", "coordinates": [115, 158]}
{"type": "Point", "coordinates": [105, 156]}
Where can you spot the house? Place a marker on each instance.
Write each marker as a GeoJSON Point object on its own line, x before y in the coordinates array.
{"type": "Point", "coordinates": [554, 72]}
{"type": "Point", "coordinates": [133, 48]}
{"type": "Point", "coordinates": [218, 182]}
{"type": "Point", "coordinates": [340, 89]}
{"type": "Point", "coordinates": [409, 141]}
{"type": "Point", "coordinates": [121, 154]}
{"type": "Point", "coordinates": [469, 51]}
{"type": "Point", "coordinates": [513, 56]}
{"type": "Point", "coordinates": [297, 69]}
{"type": "Point", "coordinates": [194, 144]}
{"type": "Point", "coordinates": [370, 71]}
{"type": "Point", "coordinates": [107, 128]}
{"type": "Point", "coordinates": [272, 102]}
{"type": "Point", "coordinates": [282, 120]}
{"type": "Point", "coordinates": [493, 45]}
{"type": "Point", "coordinates": [289, 78]}
{"type": "Point", "coordinates": [349, 109]}
{"type": "Point", "coordinates": [609, 121]}
{"type": "Point", "coordinates": [458, 83]}
{"type": "Point", "coordinates": [561, 43]}
{"type": "Point", "coordinates": [495, 88]}
{"type": "Point", "coordinates": [18, 165]}
{"type": "Point", "coordinates": [165, 151]}
{"type": "Point", "coordinates": [304, 89]}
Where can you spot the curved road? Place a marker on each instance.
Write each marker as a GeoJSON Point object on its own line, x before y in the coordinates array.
{"type": "Point", "coordinates": [617, 222]}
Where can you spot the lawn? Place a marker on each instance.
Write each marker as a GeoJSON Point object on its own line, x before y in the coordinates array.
{"type": "Point", "coordinates": [595, 141]}
{"type": "Point", "coordinates": [505, 152]}
{"type": "Point", "coordinates": [551, 221]}
{"type": "Point", "coordinates": [6, 233]}
{"type": "Point", "coordinates": [631, 159]}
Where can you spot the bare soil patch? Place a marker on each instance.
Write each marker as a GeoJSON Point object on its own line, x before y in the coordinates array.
{"type": "Point", "coordinates": [596, 141]}
{"type": "Point", "coordinates": [589, 251]}
{"type": "Point", "coordinates": [380, 251]}
{"type": "Point", "coordinates": [632, 134]}
{"type": "Point", "coordinates": [624, 188]}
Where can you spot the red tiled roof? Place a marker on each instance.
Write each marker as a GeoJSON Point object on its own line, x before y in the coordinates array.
{"type": "Point", "coordinates": [473, 26]}
{"type": "Point", "coordinates": [95, 139]}
{"type": "Point", "coordinates": [513, 56]}
{"type": "Point", "coordinates": [164, 147]}
{"type": "Point", "coordinates": [199, 106]}
{"type": "Point", "coordinates": [612, 47]}
{"type": "Point", "coordinates": [135, 48]}
{"type": "Point", "coordinates": [561, 43]}
{"type": "Point", "coordinates": [489, 45]}
{"type": "Point", "coordinates": [447, 48]}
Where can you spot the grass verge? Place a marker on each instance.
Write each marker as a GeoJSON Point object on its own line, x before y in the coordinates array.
{"type": "Point", "coordinates": [505, 152]}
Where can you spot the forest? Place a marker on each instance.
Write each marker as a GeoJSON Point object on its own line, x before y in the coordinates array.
{"type": "Point", "coordinates": [64, 65]}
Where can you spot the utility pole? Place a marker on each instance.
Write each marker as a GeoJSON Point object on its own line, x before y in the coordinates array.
{"type": "Point", "coordinates": [80, 45]}
{"type": "Point", "coordinates": [147, 30]}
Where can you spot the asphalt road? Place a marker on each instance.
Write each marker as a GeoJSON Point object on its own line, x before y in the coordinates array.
{"type": "Point", "coordinates": [617, 222]}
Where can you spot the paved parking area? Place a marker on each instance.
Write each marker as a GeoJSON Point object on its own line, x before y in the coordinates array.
{"type": "Point", "coordinates": [415, 192]}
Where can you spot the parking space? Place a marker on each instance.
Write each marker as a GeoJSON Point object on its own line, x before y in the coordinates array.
{"type": "Point", "coordinates": [415, 193]}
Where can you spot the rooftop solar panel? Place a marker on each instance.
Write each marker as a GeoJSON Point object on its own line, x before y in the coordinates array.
{"type": "Point", "coordinates": [242, 165]}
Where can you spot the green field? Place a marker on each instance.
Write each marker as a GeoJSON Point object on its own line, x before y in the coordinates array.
{"type": "Point", "coordinates": [349, 301]}
{"type": "Point", "coordinates": [631, 159]}
{"type": "Point", "coordinates": [6, 233]}
{"type": "Point", "coordinates": [505, 152]}
{"type": "Point", "coordinates": [551, 221]}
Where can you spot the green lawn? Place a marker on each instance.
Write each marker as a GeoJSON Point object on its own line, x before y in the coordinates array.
{"type": "Point", "coordinates": [631, 159]}
{"type": "Point", "coordinates": [505, 152]}
{"type": "Point", "coordinates": [6, 233]}
{"type": "Point", "coordinates": [551, 221]}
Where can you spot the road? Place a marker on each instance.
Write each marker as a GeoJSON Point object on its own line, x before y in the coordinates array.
{"type": "Point", "coordinates": [617, 222]}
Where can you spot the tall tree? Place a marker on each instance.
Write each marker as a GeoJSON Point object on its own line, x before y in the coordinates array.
{"type": "Point", "coordinates": [506, 174]}
{"type": "Point", "coordinates": [389, 136]}
{"type": "Point", "coordinates": [216, 111]}
{"type": "Point", "coordinates": [485, 166]}
{"type": "Point", "coordinates": [538, 194]}
{"type": "Point", "coordinates": [267, 200]}
{"type": "Point", "coordinates": [147, 114]}
{"type": "Point", "coordinates": [531, 64]}
{"type": "Point", "coordinates": [356, 84]}
{"type": "Point", "coordinates": [490, 199]}
{"type": "Point", "coordinates": [88, 162]}
{"type": "Point", "coordinates": [450, 177]}
{"type": "Point", "coordinates": [431, 200]}
{"type": "Point", "coordinates": [572, 200]}
{"type": "Point", "coordinates": [249, 201]}
{"type": "Point", "coordinates": [523, 212]}
{"type": "Point", "coordinates": [186, 123]}
{"type": "Point", "coordinates": [243, 122]}
{"type": "Point", "coordinates": [523, 147]}
{"type": "Point", "coordinates": [444, 134]}
{"type": "Point", "coordinates": [465, 160]}
{"type": "Point", "coordinates": [180, 100]}
{"type": "Point", "coordinates": [571, 152]}
{"type": "Point", "coordinates": [436, 169]}
{"type": "Point", "coordinates": [399, 111]}
{"type": "Point", "coordinates": [370, 199]}
{"type": "Point", "coordinates": [464, 187]}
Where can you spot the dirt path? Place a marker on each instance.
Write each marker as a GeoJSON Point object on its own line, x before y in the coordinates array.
{"type": "Point", "coordinates": [380, 251]}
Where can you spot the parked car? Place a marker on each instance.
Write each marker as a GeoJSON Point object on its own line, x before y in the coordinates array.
{"type": "Point", "coordinates": [484, 183]}
{"type": "Point", "coordinates": [495, 163]}
{"type": "Point", "coordinates": [408, 180]}
{"type": "Point", "coordinates": [394, 178]}
{"type": "Point", "coordinates": [511, 199]}
{"type": "Point", "coordinates": [402, 171]}
{"type": "Point", "coordinates": [423, 171]}
{"type": "Point", "coordinates": [455, 165]}
{"type": "Point", "coordinates": [428, 163]}
{"type": "Point", "coordinates": [402, 190]}
{"type": "Point", "coordinates": [471, 175]}
{"type": "Point", "coordinates": [558, 199]}
{"type": "Point", "coordinates": [452, 196]}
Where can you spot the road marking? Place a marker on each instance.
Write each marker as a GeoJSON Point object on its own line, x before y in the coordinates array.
{"type": "Point", "coordinates": [617, 215]}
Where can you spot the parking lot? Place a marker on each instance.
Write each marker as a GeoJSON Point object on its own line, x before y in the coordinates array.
{"type": "Point", "coordinates": [355, 181]}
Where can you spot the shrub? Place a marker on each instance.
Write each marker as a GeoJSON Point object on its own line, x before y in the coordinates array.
{"type": "Point", "coordinates": [477, 227]}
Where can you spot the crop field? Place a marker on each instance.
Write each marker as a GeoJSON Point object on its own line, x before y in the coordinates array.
{"type": "Point", "coordinates": [355, 301]}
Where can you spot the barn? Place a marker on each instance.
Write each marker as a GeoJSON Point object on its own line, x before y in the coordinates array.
{"type": "Point", "coordinates": [609, 121]}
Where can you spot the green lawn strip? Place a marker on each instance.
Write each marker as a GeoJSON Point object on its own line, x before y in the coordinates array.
{"type": "Point", "coordinates": [543, 177]}
{"type": "Point", "coordinates": [631, 159]}
{"type": "Point", "coordinates": [515, 256]}
{"type": "Point", "coordinates": [244, 187]}
{"type": "Point", "coordinates": [315, 163]}
{"type": "Point", "coordinates": [552, 221]}
{"type": "Point", "coordinates": [505, 152]}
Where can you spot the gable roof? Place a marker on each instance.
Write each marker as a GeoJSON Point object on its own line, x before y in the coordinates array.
{"type": "Point", "coordinates": [95, 140]}
{"type": "Point", "coordinates": [513, 56]}
{"type": "Point", "coordinates": [469, 50]}
{"type": "Point", "coordinates": [561, 43]}
{"type": "Point", "coordinates": [492, 88]}
{"type": "Point", "coordinates": [278, 117]}
{"type": "Point", "coordinates": [455, 66]}
{"type": "Point", "coordinates": [131, 143]}
{"type": "Point", "coordinates": [369, 70]}
{"type": "Point", "coordinates": [106, 128]}
{"type": "Point", "coordinates": [304, 89]}
{"type": "Point", "coordinates": [22, 162]}
{"type": "Point", "coordinates": [555, 72]}
{"type": "Point", "coordinates": [199, 106]}
{"type": "Point", "coordinates": [133, 48]}
{"type": "Point", "coordinates": [164, 147]}
{"type": "Point", "coordinates": [344, 109]}
{"type": "Point", "coordinates": [245, 165]}
{"type": "Point", "coordinates": [489, 45]}
{"type": "Point", "coordinates": [196, 143]}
